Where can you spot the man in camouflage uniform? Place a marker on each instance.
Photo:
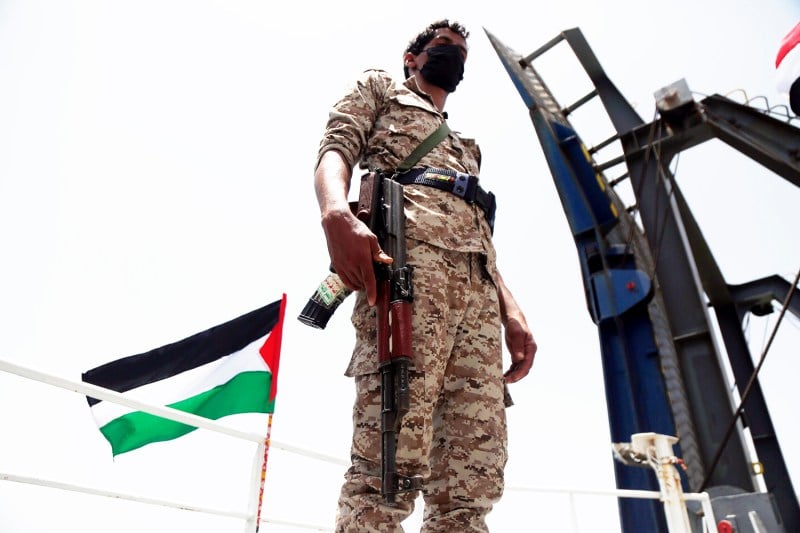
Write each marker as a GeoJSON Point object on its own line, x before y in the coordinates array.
{"type": "Point", "coordinates": [455, 433]}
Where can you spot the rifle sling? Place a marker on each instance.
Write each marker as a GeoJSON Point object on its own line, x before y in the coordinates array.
{"type": "Point", "coordinates": [425, 146]}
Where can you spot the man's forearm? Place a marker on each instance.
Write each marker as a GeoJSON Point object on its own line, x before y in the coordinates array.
{"type": "Point", "coordinates": [508, 305]}
{"type": "Point", "coordinates": [332, 183]}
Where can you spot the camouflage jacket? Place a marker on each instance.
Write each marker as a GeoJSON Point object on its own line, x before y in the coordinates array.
{"type": "Point", "coordinates": [377, 124]}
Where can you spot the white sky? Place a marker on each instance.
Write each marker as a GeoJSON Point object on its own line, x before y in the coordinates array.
{"type": "Point", "coordinates": [155, 180]}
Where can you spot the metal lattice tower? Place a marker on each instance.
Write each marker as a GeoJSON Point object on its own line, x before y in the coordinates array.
{"type": "Point", "coordinates": [665, 249]}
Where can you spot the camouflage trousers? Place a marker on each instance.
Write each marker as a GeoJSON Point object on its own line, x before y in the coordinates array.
{"type": "Point", "coordinates": [455, 433]}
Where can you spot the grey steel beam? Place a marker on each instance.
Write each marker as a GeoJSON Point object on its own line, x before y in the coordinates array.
{"type": "Point", "coordinates": [728, 308]}
{"type": "Point", "coordinates": [772, 143]}
{"type": "Point", "coordinates": [755, 296]}
{"type": "Point", "coordinates": [710, 402]}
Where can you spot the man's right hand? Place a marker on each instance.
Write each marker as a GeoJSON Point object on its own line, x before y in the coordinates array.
{"type": "Point", "coordinates": [353, 249]}
{"type": "Point", "coordinates": [351, 245]}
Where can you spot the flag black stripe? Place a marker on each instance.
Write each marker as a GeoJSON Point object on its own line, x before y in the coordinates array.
{"type": "Point", "coordinates": [201, 348]}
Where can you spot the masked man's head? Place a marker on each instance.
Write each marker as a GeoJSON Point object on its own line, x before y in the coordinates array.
{"type": "Point", "coordinates": [438, 54]}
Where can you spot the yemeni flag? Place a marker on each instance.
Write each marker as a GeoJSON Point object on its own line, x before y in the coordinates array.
{"type": "Point", "coordinates": [226, 370]}
{"type": "Point", "coordinates": [787, 64]}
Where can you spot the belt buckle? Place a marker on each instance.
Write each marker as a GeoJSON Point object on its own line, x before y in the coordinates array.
{"type": "Point", "coordinates": [461, 184]}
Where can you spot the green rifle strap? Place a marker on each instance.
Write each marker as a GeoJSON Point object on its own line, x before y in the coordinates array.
{"type": "Point", "coordinates": [426, 146]}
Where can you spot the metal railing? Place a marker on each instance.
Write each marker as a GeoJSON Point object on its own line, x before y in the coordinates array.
{"type": "Point", "coordinates": [249, 516]}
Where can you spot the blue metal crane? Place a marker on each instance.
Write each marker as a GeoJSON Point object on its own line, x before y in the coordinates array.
{"type": "Point", "coordinates": [649, 288]}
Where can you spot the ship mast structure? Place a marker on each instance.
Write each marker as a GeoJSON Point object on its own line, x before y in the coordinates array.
{"type": "Point", "coordinates": [650, 283]}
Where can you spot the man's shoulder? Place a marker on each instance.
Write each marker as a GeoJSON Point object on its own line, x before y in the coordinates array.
{"type": "Point", "coordinates": [384, 86]}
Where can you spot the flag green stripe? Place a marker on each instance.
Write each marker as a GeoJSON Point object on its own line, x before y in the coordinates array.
{"type": "Point", "coordinates": [247, 392]}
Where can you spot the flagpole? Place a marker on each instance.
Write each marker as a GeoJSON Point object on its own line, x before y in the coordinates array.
{"type": "Point", "coordinates": [263, 472]}
{"type": "Point", "coordinates": [258, 480]}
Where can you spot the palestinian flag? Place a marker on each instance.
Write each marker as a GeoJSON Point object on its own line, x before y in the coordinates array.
{"type": "Point", "coordinates": [787, 63]}
{"type": "Point", "coordinates": [229, 369]}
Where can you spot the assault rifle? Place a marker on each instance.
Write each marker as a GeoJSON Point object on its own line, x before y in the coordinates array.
{"type": "Point", "coordinates": [380, 206]}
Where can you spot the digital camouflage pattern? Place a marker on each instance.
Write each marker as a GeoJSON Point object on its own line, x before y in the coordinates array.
{"type": "Point", "coordinates": [455, 434]}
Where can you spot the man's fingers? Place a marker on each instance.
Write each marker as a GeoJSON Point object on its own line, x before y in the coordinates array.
{"type": "Point", "coordinates": [523, 350]}
{"type": "Point", "coordinates": [379, 256]}
{"type": "Point", "coordinates": [519, 370]}
{"type": "Point", "coordinates": [360, 273]}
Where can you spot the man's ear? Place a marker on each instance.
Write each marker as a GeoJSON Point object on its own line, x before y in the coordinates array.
{"type": "Point", "coordinates": [410, 60]}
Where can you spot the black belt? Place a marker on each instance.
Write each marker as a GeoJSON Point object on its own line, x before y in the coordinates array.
{"type": "Point", "coordinates": [462, 185]}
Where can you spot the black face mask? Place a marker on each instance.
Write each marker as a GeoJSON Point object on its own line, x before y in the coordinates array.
{"type": "Point", "coordinates": [444, 67]}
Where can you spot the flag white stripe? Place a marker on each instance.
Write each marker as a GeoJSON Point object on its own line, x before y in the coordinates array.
{"type": "Point", "coordinates": [187, 384]}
